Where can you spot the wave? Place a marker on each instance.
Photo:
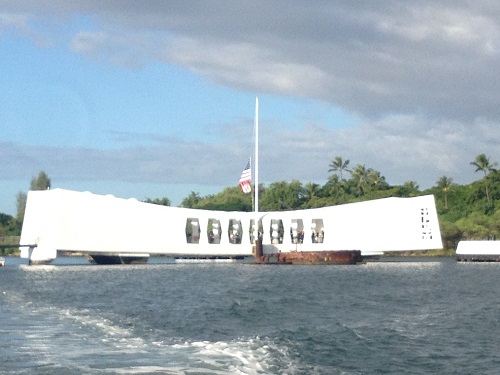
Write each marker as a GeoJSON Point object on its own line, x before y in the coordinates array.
{"type": "Point", "coordinates": [89, 341]}
{"type": "Point", "coordinates": [39, 268]}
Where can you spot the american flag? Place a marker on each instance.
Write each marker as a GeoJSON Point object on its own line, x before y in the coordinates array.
{"type": "Point", "coordinates": [246, 179]}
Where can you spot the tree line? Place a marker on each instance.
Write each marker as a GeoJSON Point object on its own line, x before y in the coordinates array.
{"type": "Point", "coordinates": [10, 226]}
{"type": "Point", "coordinates": [464, 211]}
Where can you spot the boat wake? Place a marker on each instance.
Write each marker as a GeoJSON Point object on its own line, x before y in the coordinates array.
{"type": "Point", "coordinates": [176, 355]}
{"type": "Point", "coordinates": [95, 343]}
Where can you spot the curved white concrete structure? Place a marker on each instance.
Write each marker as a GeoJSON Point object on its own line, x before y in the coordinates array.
{"type": "Point", "coordinates": [64, 220]}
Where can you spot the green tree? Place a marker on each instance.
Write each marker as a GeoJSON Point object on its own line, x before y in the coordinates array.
{"type": "Point", "coordinates": [8, 226]}
{"type": "Point", "coordinates": [450, 234]}
{"type": "Point", "coordinates": [376, 180]}
{"type": "Point", "coordinates": [40, 182]}
{"type": "Point", "coordinates": [482, 163]}
{"type": "Point", "coordinates": [334, 191]}
{"type": "Point", "coordinates": [230, 199]}
{"type": "Point", "coordinates": [360, 177]}
{"type": "Point", "coordinates": [476, 226]}
{"type": "Point", "coordinates": [339, 165]}
{"type": "Point", "coordinates": [281, 196]}
{"type": "Point", "coordinates": [408, 189]}
{"type": "Point", "coordinates": [495, 224]}
{"type": "Point", "coordinates": [411, 185]}
{"type": "Point", "coordinates": [331, 187]}
{"type": "Point", "coordinates": [21, 199]}
{"type": "Point", "coordinates": [310, 190]}
{"type": "Point", "coordinates": [159, 201]}
{"type": "Point", "coordinates": [191, 200]}
{"type": "Point", "coordinates": [445, 184]}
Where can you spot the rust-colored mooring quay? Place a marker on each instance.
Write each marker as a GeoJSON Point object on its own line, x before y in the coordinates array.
{"type": "Point", "coordinates": [307, 257]}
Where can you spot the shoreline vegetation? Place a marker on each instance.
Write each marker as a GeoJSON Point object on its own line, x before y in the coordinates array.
{"type": "Point", "coordinates": [6, 249]}
{"type": "Point", "coordinates": [465, 212]}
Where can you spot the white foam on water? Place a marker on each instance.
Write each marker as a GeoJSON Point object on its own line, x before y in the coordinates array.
{"type": "Point", "coordinates": [146, 370]}
{"type": "Point", "coordinates": [241, 356]}
{"type": "Point", "coordinates": [74, 338]}
{"type": "Point", "coordinates": [89, 318]}
{"type": "Point", "coordinates": [39, 268]}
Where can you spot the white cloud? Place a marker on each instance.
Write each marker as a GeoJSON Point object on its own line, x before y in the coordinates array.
{"type": "Point", "coordinates": [439, 59]}
{"type": "Point", "coordinates": [19, 23]}
{"type": "Point", "coordinates": [244, 65]}
{"type": "Point", "coordinates": [13, 21]}
{"type": "Point", "coordinates": [423, 77]}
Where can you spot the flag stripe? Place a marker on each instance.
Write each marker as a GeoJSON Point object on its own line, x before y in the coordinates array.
{"type": "Point", "coordinates": [245, 179]}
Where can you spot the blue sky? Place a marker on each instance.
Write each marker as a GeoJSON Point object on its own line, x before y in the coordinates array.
{"type": "Point", "coordinates": [157, 99]}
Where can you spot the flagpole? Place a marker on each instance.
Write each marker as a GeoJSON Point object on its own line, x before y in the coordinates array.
{"type": "Point", "coordinates": [256, 160]}
{"type": "Point", "coordinates": [251, 169]}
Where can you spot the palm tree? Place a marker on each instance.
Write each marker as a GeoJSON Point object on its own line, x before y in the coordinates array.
{"type": "Point", "coordinates": [360, 177]}
{"type": "Point", "coordinates": [376, 179]}
{"type": "Point", "coordinates": [482, 163]}
{"type": "Point", "coordinates": [408, 189]}
{"type": "Point", "coordinates": [445, 183]}
{"type": "Point", "coordinates": [310, 190]}
{"type": "Point", "coordinates": [339, 165]}
{"type": "Point", "coordinates": [333, 187]}
{"type": "Point", "coordinates": [411, 186]}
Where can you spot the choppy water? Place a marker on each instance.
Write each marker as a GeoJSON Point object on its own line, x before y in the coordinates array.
{"type": "Point", "coordinates": [413, 317]}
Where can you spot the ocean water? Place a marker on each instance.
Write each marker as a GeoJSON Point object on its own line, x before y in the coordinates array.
{"type": "Point", "coordinates": [416, 316]}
